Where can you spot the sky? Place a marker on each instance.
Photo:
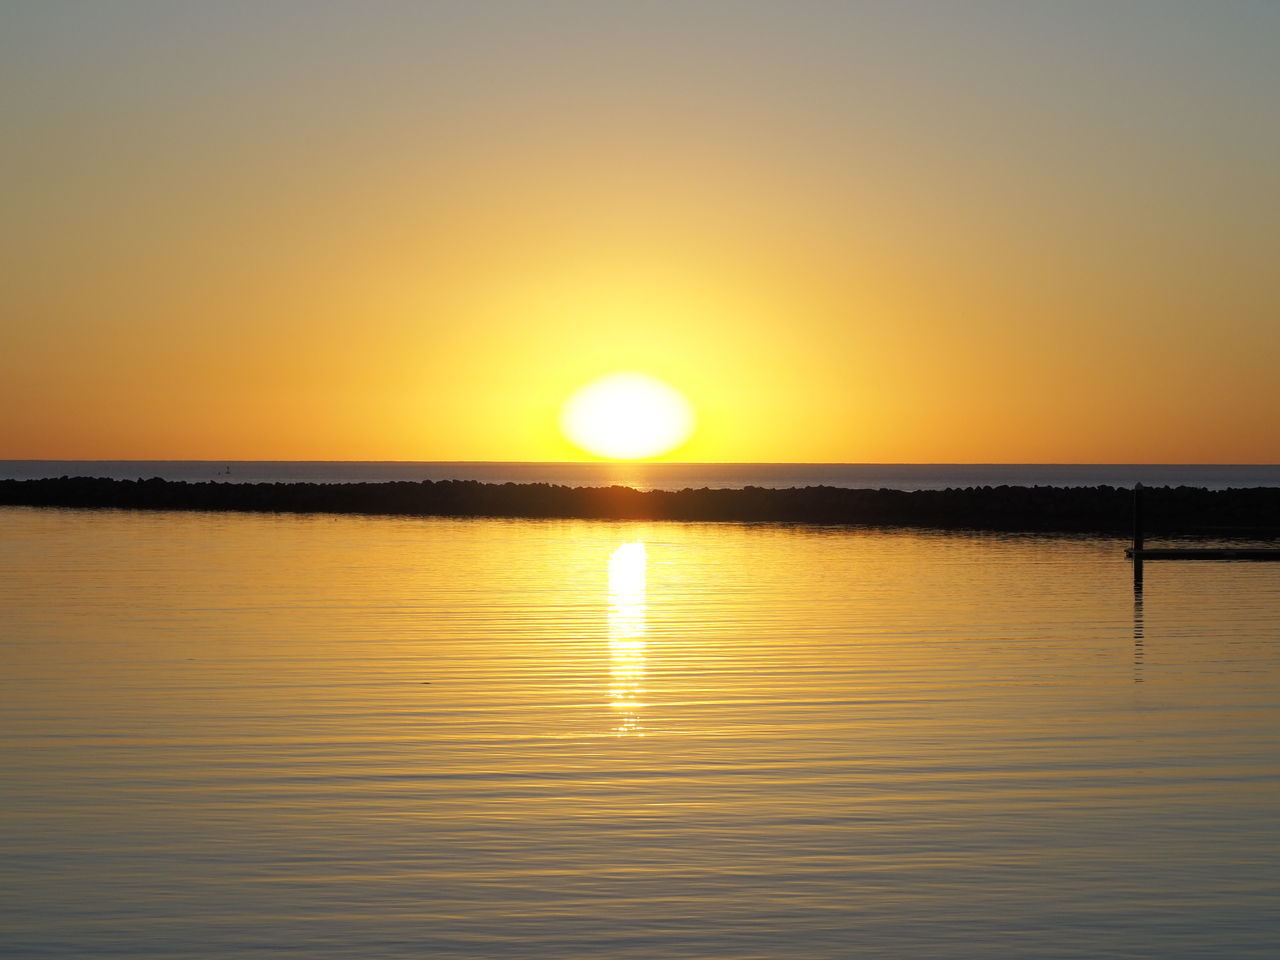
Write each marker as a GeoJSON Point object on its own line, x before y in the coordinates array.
{"type": "Point", "coordinates": [848, 232]}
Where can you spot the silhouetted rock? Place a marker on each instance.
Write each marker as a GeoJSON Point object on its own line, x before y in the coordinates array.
{"type": "Point", "coordinates": [1103, 509]}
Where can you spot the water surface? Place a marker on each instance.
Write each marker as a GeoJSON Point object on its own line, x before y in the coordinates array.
{"type": "Point", "coordinates": [261, 736]}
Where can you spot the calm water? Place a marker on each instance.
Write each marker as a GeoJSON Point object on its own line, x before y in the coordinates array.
{"type": "Point", "coordinates": [263, 736]}
{"type": "Point", "coordinates": [667, 476]}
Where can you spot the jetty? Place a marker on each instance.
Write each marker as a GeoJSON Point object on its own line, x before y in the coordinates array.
{"type": "Point", "coordinates": [1243, 516]}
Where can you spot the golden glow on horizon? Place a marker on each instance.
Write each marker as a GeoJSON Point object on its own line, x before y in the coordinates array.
{"type": "Point", "coordinates": [627, 593]}
{"type": "Point", "coordinates": [837, 259]}
{"type": "Point", "coordinates": [627, 416]}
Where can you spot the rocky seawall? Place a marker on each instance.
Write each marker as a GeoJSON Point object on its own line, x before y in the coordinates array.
{"type": "Point", "coordinates": [1102, 509]}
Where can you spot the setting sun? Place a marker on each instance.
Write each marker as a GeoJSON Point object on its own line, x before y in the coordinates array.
{"type": "Point", "coordinates": [627, 416]}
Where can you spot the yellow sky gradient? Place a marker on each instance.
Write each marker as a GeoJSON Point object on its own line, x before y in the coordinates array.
{"type": "Point", "coordinates": [881, 233]}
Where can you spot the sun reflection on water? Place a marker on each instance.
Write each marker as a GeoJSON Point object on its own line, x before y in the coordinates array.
{"type": "Point", "coordinates": [627, 567]}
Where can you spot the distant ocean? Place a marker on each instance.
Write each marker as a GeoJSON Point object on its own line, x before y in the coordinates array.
{"type": "Point", "coordinates": [665, 476]}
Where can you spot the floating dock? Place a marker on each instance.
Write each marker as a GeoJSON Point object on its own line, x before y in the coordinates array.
{"type": "Point", "coordinates": [1202, 553]}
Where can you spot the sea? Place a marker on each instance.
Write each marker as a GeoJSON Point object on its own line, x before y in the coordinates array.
{"type": "Point", "coordinates": [665, 476]}
{"type": "Point", "coordinates": [261, 736]}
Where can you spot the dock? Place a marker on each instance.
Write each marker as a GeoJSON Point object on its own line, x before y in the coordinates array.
{"type": "Point", "coordinates": [1139, 552]}
{"type": "Point", "coordinates": [1202, 553]}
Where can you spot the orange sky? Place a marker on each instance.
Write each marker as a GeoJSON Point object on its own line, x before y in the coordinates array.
{"type": "Point", "coordinates": [849, 232]}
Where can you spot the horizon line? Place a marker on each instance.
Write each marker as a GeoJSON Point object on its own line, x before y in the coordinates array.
{"type": "Point", "coordinates": [675, 463]}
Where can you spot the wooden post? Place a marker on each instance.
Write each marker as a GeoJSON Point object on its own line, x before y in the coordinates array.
{"type": "Point", "coordinates": [1137, 518]}
{"type": "Point", "coordinates": [1137, 541]}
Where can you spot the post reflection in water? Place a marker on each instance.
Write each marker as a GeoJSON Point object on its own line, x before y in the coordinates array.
{"type": "Point", "coordinates": [1138, 628]}
{"type": "Point", "coordinates": [627, 635]}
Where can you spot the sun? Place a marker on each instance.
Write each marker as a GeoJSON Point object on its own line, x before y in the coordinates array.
{"type": "Point", "coordinates": [627, 416]}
